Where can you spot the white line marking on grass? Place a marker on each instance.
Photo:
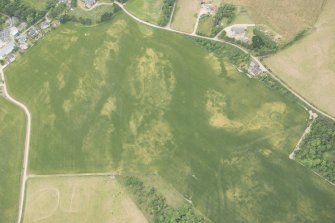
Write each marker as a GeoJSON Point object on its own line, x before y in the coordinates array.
{"type": "Point", "coordinates": [51, 213]}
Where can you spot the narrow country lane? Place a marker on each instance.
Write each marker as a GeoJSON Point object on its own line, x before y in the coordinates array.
{"type": "Point", "coordinates": [24, 171]}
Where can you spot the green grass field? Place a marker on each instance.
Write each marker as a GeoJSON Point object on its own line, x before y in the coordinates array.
{"type": "Point", "coordinates": [148, 10]}
{"type": "Point", "coordinates": [12, 129]}
{"type": "Point", "coordinates": [79, 199]}
{"type": "Point", "coordinates": [36, 4]}
{"type": "Point", "coordinates": [122, 97]}
{"type": "Point", "coordinates": [205, 25]}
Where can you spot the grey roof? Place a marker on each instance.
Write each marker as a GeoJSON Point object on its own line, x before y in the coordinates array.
{"type": "Point", "coordinates": [22, 38]}
{"type": "Point", "coordinates": [33, 32]}
{"type": "Point", "coordinates": [8, 48]}
{"type": "Point", "coordinates": [45, 24]}
{"type": "Point", "coordinates": [5, 35]}
{"type": "Point", "coordinates": [238, 30]}
{"type": "Point", "coordinates": [90, 2]}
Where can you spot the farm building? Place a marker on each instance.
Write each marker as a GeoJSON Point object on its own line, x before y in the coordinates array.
{"type": "Point", "coordinates": [33, 32]}
{"type": "Point", "coordinates": [89, 3]}
{"type": "Point", "coordinates": [45, 24]}
{"type": "Point", "coordinates": [254, 68]}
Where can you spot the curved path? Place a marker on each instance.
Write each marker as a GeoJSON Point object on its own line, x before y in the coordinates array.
{"type": "Point", "coordinates": [26, 145]}
{"type": "Point", "coordinates": [232, 44]}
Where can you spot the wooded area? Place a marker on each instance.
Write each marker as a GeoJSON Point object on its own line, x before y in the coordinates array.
{"type": "Point", "coordinates": [24, 12]}
{"type": "Point", "coordinates": [317, 150]}
{"type": "Point", "coordinates": [155, 205]}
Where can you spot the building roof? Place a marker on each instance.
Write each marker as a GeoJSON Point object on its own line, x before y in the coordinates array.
{"type": "Point", "coordinates": [238, 30]}
{"type": "Point", "coordinates": [5, 35]}
{"type": "Point", "coordinates": [13, 31]}
{"type": "Point", "coordinates": [33, 32]}
{"type": "Point", "coordinates": [22, 38]}
{"type": "Point", "coordinates": [45, 24]}
{"type": "Point", "coordinates": [89, 3]}
{"type": "Point", "coordinates": [8, 48]}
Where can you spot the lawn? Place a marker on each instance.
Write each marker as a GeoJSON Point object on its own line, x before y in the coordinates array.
{"type": "Point", "coordinates": [308, 66]}
{"type": "Point", "coordinates": [148, 10]}
{"type": "Point", "coordinates": [11, 152]}
{"type": "Point", "coordinates": [79, 199]}
{"type": "Point", "coordinates": [122, 97]}
{"type": "Point", "coordinates": [36, 4]}
{"type": "Point", "coordinates": [205, 25]}
{"type": "Point", "coordinates": [185, 15]}
{"type": "Point", "coordinates": [94, 14]}
{"type": "Point", "coordinates": [285, 17]}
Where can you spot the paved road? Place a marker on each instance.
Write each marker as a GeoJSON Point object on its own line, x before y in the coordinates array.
{"type": "Point", "coordinates": [232, 44]}
{"type": "Point", "coordinates": [26, 145]}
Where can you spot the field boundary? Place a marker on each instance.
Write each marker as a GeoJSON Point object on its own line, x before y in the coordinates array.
{"type": "Point", "coordinates": [25, 160]}
{"type": "Point", "coordinates": [232, 44]}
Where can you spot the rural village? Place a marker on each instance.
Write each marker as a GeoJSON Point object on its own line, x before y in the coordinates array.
{"type": "Point", "coordinates": [16, 37]}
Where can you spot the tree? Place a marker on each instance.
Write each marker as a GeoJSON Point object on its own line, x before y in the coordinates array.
{"type": "Point", "coordinates": [257, 42]}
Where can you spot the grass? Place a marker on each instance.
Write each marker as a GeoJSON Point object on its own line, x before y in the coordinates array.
{"type": "Point", "coordinates": [79, 199]}
{"type": "Point", "coordinates": [286, 17]}
{"type": "Point", "coordinates": [11, 152]}
{"type": "Point", "coordinates": [122, 97]}
{"type": "Point", "coordinates": [308, 66]}
{"type": "Point", "coordinates": [205, 25]}
{"type": "Point", "coordinates": [36, 4]}
{"type": "Point", "coordinates": [94, 14]}
{"type": "Point", "coordinates": [185, 15]}
{"type": "Point", "coordinates": [242, 16]}
{"type": "Point", "coordinates": [148, 10]}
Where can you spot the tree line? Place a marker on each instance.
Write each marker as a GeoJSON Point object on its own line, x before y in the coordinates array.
{"type": "Point", "coordinates": [221, 50]}
{"type": "Point", "coordinates": [226, 11]}
{"type": "Point", "coordinates": [154, 204]}
{"type": "Point", "coordinates": [167, 9]}
{"type": "Point", "coordinates": [87, 21]}
{"type": "Point", "coordinates": [24, 12]}
{"type": "Point", "coordinates": [317, 150]}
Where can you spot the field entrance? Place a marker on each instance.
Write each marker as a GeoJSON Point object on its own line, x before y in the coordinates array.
{"type": "Point", "coordinates": [79, 199]}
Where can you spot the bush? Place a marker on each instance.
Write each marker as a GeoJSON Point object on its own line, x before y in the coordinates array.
{"type": "Point", "coordinates": [226, 11]}
{"type": "Point", "coordinates": [315, 147]}
{"type": "Point", "coordinates": [166, 12]}
{"type": "Point", "coordinates": [57, 11]}
{"type": "Point", "coordinates": [222, 50]}
{"type": "Point", "coordinates": [155, 205]}
{"type": "Point", "coordinates": [263, 44]}
{"type": "Point", "coordinates": [18, 9]}
{"type": "Point", "coordinates": [106, 16]}
{"type": "Point", "coordinates": [74, 3]}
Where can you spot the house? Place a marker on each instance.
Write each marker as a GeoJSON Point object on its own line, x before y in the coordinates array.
{"type": "Point", "coordinates": [45, 24]}
{"type": "Point", "coordinates": [13, 31]}
{"type": "Point", "coordinates": [22, 38]}
{"type": "Point", "coordinates": [254, 68]}
{"type": "Point", "coordinates": [89, 3]}
{"type": "Point", "coordinates": [7, 48]}
{"type": "Point", "coordinates": [209, 8]}
{"type": "Point", "coordinates": [238, 30]}
{"type": "Point", "coordinates": [33, 32]}
{"type": "Point", "coordinates": [10, 58]}
{"type": "Point", "coordinates": [5, 35]}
